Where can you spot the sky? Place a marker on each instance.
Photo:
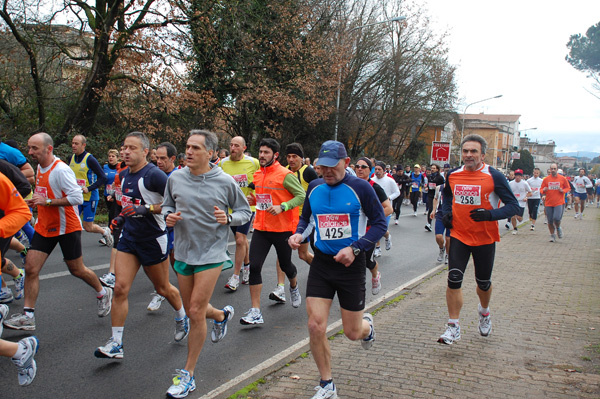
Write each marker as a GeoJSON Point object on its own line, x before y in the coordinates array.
{"type": "Point", "coordinates": [517, 48]}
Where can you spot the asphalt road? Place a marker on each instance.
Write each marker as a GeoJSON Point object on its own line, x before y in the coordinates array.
{"type": "Point", "coordinates": [69, 329]}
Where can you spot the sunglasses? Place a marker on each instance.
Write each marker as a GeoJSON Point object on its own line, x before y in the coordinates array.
{"type": "Point", "coordinates": [362, 166]}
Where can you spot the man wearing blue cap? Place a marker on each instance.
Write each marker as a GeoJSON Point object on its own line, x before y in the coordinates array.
{"type": "Point", "coordinates": [340, 205]}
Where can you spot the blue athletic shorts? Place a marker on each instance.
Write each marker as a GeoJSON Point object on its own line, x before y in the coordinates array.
{"type": "Point", "coordinates": [581, 196]}
{"type": "Point", "coordinates": [243, 229]}
{"type": "Point", "coordinates": [439, 225]}
{"type": "Point", "coordinates": [88, 208]}
{"type": "Point", "coordinates": [149, 253]}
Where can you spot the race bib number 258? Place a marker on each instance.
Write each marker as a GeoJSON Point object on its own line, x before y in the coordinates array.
{"type": "Point", "coordinates": [466, 194]}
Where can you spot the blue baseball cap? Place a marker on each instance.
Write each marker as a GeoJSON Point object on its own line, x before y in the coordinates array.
{"type": "Point", "coordinates": [330, 154]}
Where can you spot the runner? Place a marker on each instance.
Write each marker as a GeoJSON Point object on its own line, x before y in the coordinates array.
{"type": "Point", "coordinates": [435, 179]}
{"type": "Point", "coordinates": [403, 182]}
{"type": "Point", "coordinates": [90, 176]}
{"type": "Point", "coordinates": [391, 190]}
{"type": "Point", "coordinates": [470, 195]}
{"type": "Point", "coordinates": [56, 197]}
{"type": "Point", "coordinates": [242, 168]}
{"type": "Point", "coordinates": [165, 160]}
{"type": "Point", "coordinates": [197, 199]}
{"type": "Point", "coordinates": [363, 165]}
{"type": "Point", "coordinates": [13, 214]}
{"type": "Point", "coordinates": [442, 240]}
{"type": "Point", "coordinates": [278, 195]}
{"type": "Point", "coordinates": [533, 202]}
{"type": "Point", "coordinates": [142, 242]}
{"type": "Point", "coordinates": [521, 190]}
{"type": "Point", "coordinates": [340, 205]}
{"type": "Point", "coordinates": [581, 184]}
{"type": "Point", "coordinates": [554, 188]}
{"type": "Point", "coordinates": [416, 185]}
{"type": "Point", "coordinates": [110, 171]}
{"type": "Point", "coordinates": [305, 175]}
{"type": "Point", "coordinates": [597, 192]}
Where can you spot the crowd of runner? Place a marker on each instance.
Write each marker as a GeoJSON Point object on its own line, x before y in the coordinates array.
{"type": "Point", "coordinates": [170, 210]}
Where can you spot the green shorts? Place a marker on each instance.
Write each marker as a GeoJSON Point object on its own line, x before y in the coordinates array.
{"type": "Point", "coordinates": [187, 270]}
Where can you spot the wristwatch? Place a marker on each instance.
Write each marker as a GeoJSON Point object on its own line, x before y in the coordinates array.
{"type": "Point", "coordinates": [229, 219]}
{"type": "Point", "coordinates": [48, 201]}
{"type": "Point", "coordinates": [355, 250]}
{"type": "Point", "coordinates": [150, 207]}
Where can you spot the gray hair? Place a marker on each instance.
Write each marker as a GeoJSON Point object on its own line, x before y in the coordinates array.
{"type": "Point", "coordinates": [46, 139]}
{"type": "Point", "coordinates": [211, 142]}
{"type": "Point", "coordinates": [143, 138]}
{"type": "Point", "coordinates": [478, 139]}
{"type": "Point", "coordinates": [83, 139]}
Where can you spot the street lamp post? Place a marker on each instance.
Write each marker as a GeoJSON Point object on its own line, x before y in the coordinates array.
{"type": "Point", "coordinates": [339, 87]}
{"type": "Point", "coordinates": [462, 130]}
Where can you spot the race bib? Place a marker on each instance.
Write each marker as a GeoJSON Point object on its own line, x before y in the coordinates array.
{"type": "Point", "coordinates": [415, 185]}
{"type": "Point", "coordinates": [580, 185]}
{"type": "Point", "coordinates": [432, 186]}
{"type": "Point", "coordinates": [263, 202]}
{"type": "Point", "coordinates": [109, 189]}
{"type": "Point", "coordinates": [125, 200]}
{"type": "Point", "coordinates": [118, 194]}
{"type": "Point", "coordinates": [554, 185]}
{"type": "Point", "coordinates": [81, 183]}
{"type": "Point", "coordinates": [535, 189]}
{"type": "Point", "coordinates": [241, 180]}
{"type": "Point", "coordinates": [466, 194]}
{"type": "Point", "coordinates": [43, 191]}
{"type": "Point", "coordinates": [334, 226]}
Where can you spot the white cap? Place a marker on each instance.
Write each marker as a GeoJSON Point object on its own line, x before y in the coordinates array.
{"type": "Point", "coordinates": [560, 172]}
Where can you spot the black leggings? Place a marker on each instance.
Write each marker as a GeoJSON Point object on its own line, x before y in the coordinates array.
{"type": "Point", "coordinates": [414, 199]}
{"type": "Point", "coordinates": [429, 208]}
{"type": "Point", "coordinates": [259, 249]}
{"type": "Point", "coordinates": [398, 206]}
{"type": "Point", "coordinates": [483, 261]}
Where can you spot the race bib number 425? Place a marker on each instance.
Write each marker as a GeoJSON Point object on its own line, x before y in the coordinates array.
{"type": "Point", "coordinates": [334, 226]}
{"type": "Point", "coordinates": [466, 194]}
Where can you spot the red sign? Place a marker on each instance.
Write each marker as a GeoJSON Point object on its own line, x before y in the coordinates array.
{"type": "Point", "coordinates": [440, 152]}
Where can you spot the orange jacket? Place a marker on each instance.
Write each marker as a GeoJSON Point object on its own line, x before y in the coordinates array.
{"type": "Point", "coordinates": [14, 212]}
{"type": "Point", "coordinates": [269, 189]}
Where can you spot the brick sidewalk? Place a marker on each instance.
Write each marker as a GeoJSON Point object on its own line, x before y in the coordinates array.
{"type": "Point", "coordinates": [545, 341]}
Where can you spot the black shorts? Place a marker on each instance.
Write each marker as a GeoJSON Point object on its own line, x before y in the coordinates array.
{"type": "Point", "coordinates": [458, 257]}
{"type": "Point", "coordinates": [326, 277]}
{"type": "Point", "coordinates": [4, 245]}
{"type": "Point", "coordinates": [370, 259]}
{"type": "Point", "coordinates": [149, 252]}
{"type": "Point", "coordinates": [70, 244]}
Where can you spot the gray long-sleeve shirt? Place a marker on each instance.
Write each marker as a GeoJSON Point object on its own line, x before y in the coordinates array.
{"type": "Point", "coordinates": [199, 239]}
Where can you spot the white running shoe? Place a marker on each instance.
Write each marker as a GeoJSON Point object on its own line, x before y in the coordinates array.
{"type": "Point", "coordinates": [295, 296]}
{"type": "Point", "coordinates": [112, 350]}
{"type": "Point", "coordinates": [559, 232]}
{"type": "Point", "coordinates": [278, 294]}
{"type": "Point", "coordinates": [253, 316]}
{"type": "Point", "coordinates": [26, 365]}
{"type": "Point", "coordinates": [415, 214]}
{"type": "Point", "coordinates": [182, 328]}
{"type": "Point", "coordinates": [20, 321]}
{"type": "Point", "coordinates": [6, 295]}
{"type": "Point", "coordinates": [576, 216]}
{"type": "Point", "coordinates": [233, 283]}
{"type": "Point", "coordinates": [108, 238]}
{"type": "Point", "coordinates": [388, 242]}
{"type": "Point", "coordinates": [367, 343]}
{"type": "Point", "coordinates": [515, 232]}
{"type": "Point", "coordinates": [376, 284]}
{"type": "Point", "coordinates": [552, 238]}
{"type": "Point", "coordinates": [451, 335]}
{"type": "Point", "coordinates": [245, 275]}
{"type": "Point", "coordinates": [532, 227]}
{"type": "Point", "coordinates": [183, 384]}
{"type": "Point", "coordinates": [105, 303]}
{"type": "Point", "coordinates": [155, 303]}
{"type": "Point", "coordinates": [108, 280]}
{"type": "Point", "coordinates": [485, 324]}
{"type": "Point", "coordinates": [220, 327]}
{"type": "Point", "coordinates": [396, 222]}
{"type": "Point", "coordinates": [19, 284]}
{"type": "Point", "coordinates": [377, 252]}
{"type": "Point", "coordinates": [507, 225]}
{"type": "Point", "coordinates": [440, 257]}
{"type": "Point", "coordinates": [3, 314]}
{"type": "Point", "coordinates": [327, 392]}
{"type": "Point", "coordinates": [428, 227]}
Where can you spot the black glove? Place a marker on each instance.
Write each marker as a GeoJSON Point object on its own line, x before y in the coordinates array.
{"type": "Point", "coordinates": [481, 215]}
{"type": "Point", "coordinates": [447, 220]}
{"type": "Point", "coordinates": [117, 225]}
{"type": "Point", "coordinates": [135, 211]}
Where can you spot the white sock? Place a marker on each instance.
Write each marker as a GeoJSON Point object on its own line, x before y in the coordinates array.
{"type": "Point", "coordinates": [117, 334]}
{"type": "Point", "coordinates": [180, 314]}
{"type": "Point", "coordinates": [101, 293]}
{"type": "Point", "coordinates": [483, 310]}
{"type": "Point", "coordinates": [21, 350]}
{"type": "Point", "coordinates": [453, 321]}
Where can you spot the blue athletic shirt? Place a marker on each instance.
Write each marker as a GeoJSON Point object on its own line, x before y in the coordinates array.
{"type": "Point", "coordinates": [146, 186]}
{"type": "Point", "coordinates": [341, 212]}
{"type": "Point", "coordinates": [12, 155]}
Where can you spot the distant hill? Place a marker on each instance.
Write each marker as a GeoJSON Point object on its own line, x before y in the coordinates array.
{"type": "Point", "coordinates": [579, 154]}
